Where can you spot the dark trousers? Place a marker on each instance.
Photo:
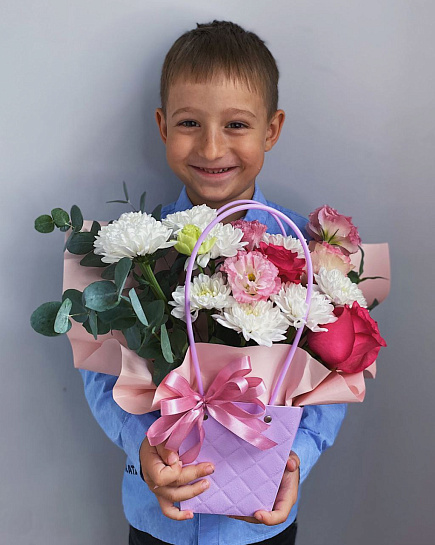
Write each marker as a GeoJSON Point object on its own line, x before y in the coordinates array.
{"type": "Point", "coordinates": [287, 537]}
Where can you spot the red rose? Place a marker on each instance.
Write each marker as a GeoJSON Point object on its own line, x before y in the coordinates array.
{"type": "Point", "coordinates": [351, 343]}
{"type": "Point", "coordinates": [290, 266]}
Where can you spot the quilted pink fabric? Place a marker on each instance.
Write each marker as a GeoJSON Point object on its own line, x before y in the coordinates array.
{"type": "Point", "coordinates": [246, 478]}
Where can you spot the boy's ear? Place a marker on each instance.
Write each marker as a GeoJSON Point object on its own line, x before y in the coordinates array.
{"type": "Point", "coordinates": [274, 130]}
{"type": "Point", "coordinates": [161, 123]}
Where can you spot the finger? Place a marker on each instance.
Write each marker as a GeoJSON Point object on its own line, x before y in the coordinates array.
{"type": "Point", "coordinates": [168, 456]}
{"type": "Point", "coordinates": [181, 493]}
{"type": "Point", "coordinates": [173, 512]}
{"type": "Point", "coordinates": [160, 473]}
{"type": "Point", "coordinates": [293, 462]}
{"type": "Point", "coordinates": [285, 499]}
{"type": "Point", "coordinates": [252, 520]}
{"type": "Point", "coordinates": [193, 472]}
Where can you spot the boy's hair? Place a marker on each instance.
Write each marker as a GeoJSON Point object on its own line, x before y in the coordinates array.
{"type": "Point", "coordinates": [222, 48]}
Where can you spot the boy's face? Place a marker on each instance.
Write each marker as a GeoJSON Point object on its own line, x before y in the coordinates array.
{"type": "Point", "coordinates": [216, 134]}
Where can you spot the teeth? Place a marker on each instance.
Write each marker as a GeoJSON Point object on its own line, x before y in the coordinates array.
{"type": "Point", "coordinates": [210, 171]}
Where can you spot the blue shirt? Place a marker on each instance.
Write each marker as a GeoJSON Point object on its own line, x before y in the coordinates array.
{"type": "Point", "coordinates": [318, 429]}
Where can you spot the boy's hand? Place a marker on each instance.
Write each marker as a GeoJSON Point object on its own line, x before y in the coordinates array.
{"type": "Point", "coordinates": [169, 481]}
{"type": "Point", "coordinates": [285, 499]}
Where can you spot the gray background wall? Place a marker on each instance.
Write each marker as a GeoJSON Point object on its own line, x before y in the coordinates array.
{"type": "Point", "coordinates": [79, 84]}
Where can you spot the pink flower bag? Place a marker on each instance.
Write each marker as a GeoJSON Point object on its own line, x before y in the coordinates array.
{"type": "Point", "coordinates": [225, 423]}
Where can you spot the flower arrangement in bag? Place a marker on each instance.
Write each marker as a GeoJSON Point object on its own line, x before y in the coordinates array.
{"type": "Point", "coordinates": [249, 286]}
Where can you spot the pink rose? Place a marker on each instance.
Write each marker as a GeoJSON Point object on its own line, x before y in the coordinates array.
{"type": "Point", "coordinates": [326, 224]}
{"type": "Point", "coordinates": [252, 277]}
{"type": "Point", "coordinates": [252, 232]}
{"type": "Point", "coordinates": [352, 343]}
{"type": "Point", "coordinates": [290, 266]}
{"type": "Point", "coordinates": [329, 257]}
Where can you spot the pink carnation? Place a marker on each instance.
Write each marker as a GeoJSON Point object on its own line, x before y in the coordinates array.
{"type": "Point", "coordinates": [252, 232]}
{"type": "Point", "coordinates": [326, 224]}
{"type": "Point", "coordinates": [329, 257]}
{"type": "Point", "coordinates": [252, 277]}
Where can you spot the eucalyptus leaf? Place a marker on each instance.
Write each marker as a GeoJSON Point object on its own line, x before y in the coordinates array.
{"type": "Point", "coordinates": [137, 307]}
{"type": "Point", "coordinates": [78, 312]}
{"type": "Point", "coordinates": [76, 218]}
{"type": "Point", "coordinates": [122, 270]}
{"type": "Point", "coordinates": [142, 202]}
{"type": "Point", "coordinates": [124, 185]}
{"type": "Point", "coordinates": [157, 212]}
{"type": "Point", "coordinates": [179, 342]}
{"type": "Point", "coordinates": [109, 272]}
{"type": "Point", "coordinates": [93, 323]}
{"type": "Point", "coordinates": [95, 227]}
{"type": "Point", "coordinates": [62, 323]}
{"type": "Point", "coordinates": [80, 243]}
{"type": "Point", "coordinates": [154, 312]}
{"type": "Point", "coordinates": [166, 345]}
{"type": "Point", "coordinates": [150, 349]}
{"type": "Point", "coordinates": [100, 296]}
{"type": "Point", "coordinates": [92, 260]}
{"type": "Point", "coordinates": [44, 224]}
{"type": "Point", "coordinates": [122, 310]}
{"type": "Point", "coordinates": [123, 323]}
{"type": "Point", "coordinates": [60, 217]}
{"type": "Point", "coordinates": [133, 337]}
{"type": "Point", "coordinates": [43, 318]}
{"type": "Point", "coordinates": [354, 277]}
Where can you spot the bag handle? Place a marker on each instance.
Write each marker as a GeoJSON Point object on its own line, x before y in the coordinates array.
{"type": "Point", "coordinates": [224, 212]}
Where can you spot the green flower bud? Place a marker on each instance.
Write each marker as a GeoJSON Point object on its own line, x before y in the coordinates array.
{"type": "Point", "coordinates": [188, 237]}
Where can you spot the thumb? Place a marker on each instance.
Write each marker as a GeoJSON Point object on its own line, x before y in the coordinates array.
{"type": "Point", "coordinates": [293, 462]}
{"type": "Point", "coordinates": [169, 457]}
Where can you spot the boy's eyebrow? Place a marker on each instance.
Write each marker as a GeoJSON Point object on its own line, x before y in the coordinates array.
{"type": "Point", "coordinates": [231, 111]}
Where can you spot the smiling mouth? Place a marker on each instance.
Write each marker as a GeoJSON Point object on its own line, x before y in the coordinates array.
{"type": "Point", "coordinates": [214, 170]}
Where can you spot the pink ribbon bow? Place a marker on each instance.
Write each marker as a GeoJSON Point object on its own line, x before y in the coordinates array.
{"type": "Point", "coordinates": [187, 409]}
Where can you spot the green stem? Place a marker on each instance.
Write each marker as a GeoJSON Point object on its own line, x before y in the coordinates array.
{"type": "Point", "coordinates": [149, 276]}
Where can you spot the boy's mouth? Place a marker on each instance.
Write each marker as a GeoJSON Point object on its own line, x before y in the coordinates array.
{"type": "Point", "coordinates": [213, 170]}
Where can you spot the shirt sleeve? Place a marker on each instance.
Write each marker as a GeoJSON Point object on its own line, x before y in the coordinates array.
{"type": "Point", "coordinates": [126, 430]}
{"type": "Point", "coordinates": [317, 431]}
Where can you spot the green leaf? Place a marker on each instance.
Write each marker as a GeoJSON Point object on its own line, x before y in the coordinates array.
{"type": "Point", "coordinates": [162, 368]}
{"type": "Point", "coordinates": [123, 323]}
{"type": "Point", "coordinates": [215, 340]}
{"type": "Point", "coordinates": [43, 318]}
{"type": "Point", "coordinates": [124, 185]}
{"type": "Point", "coordinates": [100, 296]}
{"type": "Point", "coordinates": [93, 323]}
{"type": "Point", "coordinates": [95, 227]}
{"type": "Point", "coordinates": [122, 271]}
{"type": "Point", "coordinates": [157, 212]}
{"type": "Point", "coordinates": [166, 345]}
{"type": "Point", "coordinates": [92, 260]}
{"type": "Point", "coordinates": [76, 218]}
{"type": "Point", "coordinates": [77, 312]}
{"type": "Point", "coordinates": [354, 277]}
{"type": "Point", "coordinates": [109, 272]}
{"type": "Point", "coordinates": [142, 202]}
{"type": "Point", "coordinates": [361, 265]}
{"type": "Point", "coordinates": [137, 307]}
{"type": "Point", "coordinates": [372, 278]}
{"type": "Point", "coordinates": [373, 305]}
{"type": "Point", "coordinates": [179, 342]}
{"type": "Point", "coordinates": [80, 243]}
{"type": "Point", "coordinates": [150, 349]}
{"type": "Point", "coordinates": [133, 337]}
{"type": "Point", "coordinates": [122, 310]}
{"type": "Point", "coordinates": [60, 217]}
{"type": "Point", "coordinates": [62, 323]}
{"type": "Point", "coordinates": [117, 200]}
{"type": "Point", "coordinates": [154, 312]}
{"type": "Point", "coordinates": [44, 224]}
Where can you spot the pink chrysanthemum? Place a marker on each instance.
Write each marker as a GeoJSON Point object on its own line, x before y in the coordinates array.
{"type": "Point", "coordinates": [252, 277]}
{"type": "Point", "coordinates": [253, 231]}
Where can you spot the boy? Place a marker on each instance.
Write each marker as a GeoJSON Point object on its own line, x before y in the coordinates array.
{"type": "Point", "coordinates": [219, 115]}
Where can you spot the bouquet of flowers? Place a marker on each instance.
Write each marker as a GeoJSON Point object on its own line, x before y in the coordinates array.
{"type": "Point", "coordinates": [252, 294]}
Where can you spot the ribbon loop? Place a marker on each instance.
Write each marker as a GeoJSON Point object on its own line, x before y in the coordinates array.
{"type": "Point", "coordinates": [185, 411]}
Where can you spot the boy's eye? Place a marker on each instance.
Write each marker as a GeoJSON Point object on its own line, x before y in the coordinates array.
{"type": "Point", "coordinates": [237, 125]}
{"type": "Point", "coordinates": [188, 123]}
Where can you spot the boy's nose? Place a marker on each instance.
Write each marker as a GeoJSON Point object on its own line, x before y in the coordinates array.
{"type": "Point", "coordinates": [211, 145]}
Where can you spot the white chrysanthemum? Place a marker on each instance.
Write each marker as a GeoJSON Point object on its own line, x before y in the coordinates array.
{"type": "Point", "coordinates": [339, 288]}
{"type": "Point", "coordinates": [205, 292]}
{"type": "Point", "coordinates": [134, 234]}
{"type": "Point", "coordinates": [290, 243]}
{"type": "Point", "coordinates": [260, 321]}
{"type": "Point", "coordinates": [291, 300]}
{"type": "Point", "coordinates": [200, 216]}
